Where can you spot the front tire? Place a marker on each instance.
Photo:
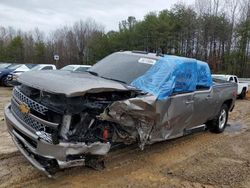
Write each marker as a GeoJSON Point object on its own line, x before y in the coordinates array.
{"type": "Point", "coordinates": [219, 123]}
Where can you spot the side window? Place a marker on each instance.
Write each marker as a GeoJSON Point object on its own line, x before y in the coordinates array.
{"type": "Point", "coordinates": [231, 79]}
{"type": "Point", "coordinates": [47, 68]}
{"type": "Point", "coordinates": [81, 69]}
{"type": "Point", "coordinates": [235, 79]}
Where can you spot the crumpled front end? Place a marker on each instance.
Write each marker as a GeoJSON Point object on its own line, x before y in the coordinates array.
{"type": "Point", "coordinates": [53, 135]}
{"type": "Point", "coordinates": [55, 132]}
{"type": "Point", "coordinates": [47, 157]}
{"type": "Point", "coordinates": [136, 114]}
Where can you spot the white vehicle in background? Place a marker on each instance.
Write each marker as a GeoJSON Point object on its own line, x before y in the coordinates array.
{"type": "Point", "coordinates": [6, 70]}
{"type": "Point", "coordinates": [43, 67]}
{"type": "Point", "coordinates": [12, 77]}
{"type": "Point", "coordinates": [4, 65]}
{"type": "Point", "coordinates": [242, 86]}
{"type": "Point", "coordinates": [76, 68]}
{"type": "Point", "coordinates": [19, 70]}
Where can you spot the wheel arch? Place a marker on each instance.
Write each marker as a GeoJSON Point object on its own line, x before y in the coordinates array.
{"type": "Point", "coordinates": [228, 103]}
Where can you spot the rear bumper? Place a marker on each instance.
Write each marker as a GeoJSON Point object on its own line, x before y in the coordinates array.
{"type": "Point", "coordinates": [37, 151]}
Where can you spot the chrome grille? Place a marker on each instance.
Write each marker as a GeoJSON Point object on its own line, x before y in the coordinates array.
{"type": "Point", "coordinates": [31, 123]}
{"type": "Point", "coordinates": [27, 119]}
{"type": "Point", "coordinates": [32, 104]}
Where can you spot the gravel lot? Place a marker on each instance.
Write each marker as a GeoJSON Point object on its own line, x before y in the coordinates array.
{"type": "Point", "coordinates": [199, 160]}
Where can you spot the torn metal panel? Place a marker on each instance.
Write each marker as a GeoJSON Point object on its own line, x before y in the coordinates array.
{"type": "Point", "coordinates": [154, 120]}
{"type": "Point", "coordinates": [139, 113]}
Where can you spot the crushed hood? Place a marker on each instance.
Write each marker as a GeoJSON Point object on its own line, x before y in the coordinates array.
{"type": "Point", "coordinates": [69, 83]}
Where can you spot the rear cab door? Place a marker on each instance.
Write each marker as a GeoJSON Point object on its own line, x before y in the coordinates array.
{"type": "Point", "coordinates": [204, 104]}
{"type": "Point", "coordinates": [181, 112]}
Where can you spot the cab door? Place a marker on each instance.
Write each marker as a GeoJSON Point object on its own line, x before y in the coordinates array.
{"type": "Point", "coordinates": [180, 112]}
{"type": "Point", "coordinates": [203, 107]}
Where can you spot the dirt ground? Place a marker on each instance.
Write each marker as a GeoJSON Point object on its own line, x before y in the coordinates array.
{"type": "Point", "coordinates": [201, 160]}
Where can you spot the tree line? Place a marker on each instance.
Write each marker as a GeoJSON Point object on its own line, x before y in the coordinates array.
{"type": "Point", "coordinates": [215, 31]}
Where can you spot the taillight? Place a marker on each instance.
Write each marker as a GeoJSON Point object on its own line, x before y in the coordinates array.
{"type": "Point", "coordinates": [234, 94]}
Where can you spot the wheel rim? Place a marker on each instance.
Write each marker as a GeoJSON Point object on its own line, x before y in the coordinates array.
{"type": "Point", "coordinates": [222, 119]}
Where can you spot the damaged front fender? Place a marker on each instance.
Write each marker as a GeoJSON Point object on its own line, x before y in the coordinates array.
{"type": "Point", "coordinates": [139, 113]}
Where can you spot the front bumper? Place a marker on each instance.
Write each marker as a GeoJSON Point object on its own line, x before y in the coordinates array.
{"type": "Point", "coordinates": [37, 151]}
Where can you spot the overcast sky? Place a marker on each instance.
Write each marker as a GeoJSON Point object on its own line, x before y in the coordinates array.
{"type": "Point", "coordinates": [48, 15]}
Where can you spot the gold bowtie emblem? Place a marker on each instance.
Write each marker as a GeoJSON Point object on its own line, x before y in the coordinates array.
{"type": "Point", "coordinates": [24, 108]}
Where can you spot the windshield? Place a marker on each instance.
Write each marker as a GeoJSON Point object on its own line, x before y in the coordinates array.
{"type": "Point", "coordinates": [4, 65]}
{"type": "Point", "coordinates": [121, 67]}
{"type": "Point", "coordinates": [68, 68]}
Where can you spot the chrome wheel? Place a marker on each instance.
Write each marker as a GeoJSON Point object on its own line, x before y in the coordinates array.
{"type": "Point", "coordinates": [218, 124]}
{"type": "Point", "coordinates": [222, 119]}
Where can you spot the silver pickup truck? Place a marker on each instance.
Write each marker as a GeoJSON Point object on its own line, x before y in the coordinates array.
{"type": "Point", "coordinates": [59, 119]}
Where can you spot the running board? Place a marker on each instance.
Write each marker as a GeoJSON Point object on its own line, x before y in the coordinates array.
{"type": "Point", "coordinates": [197, 129]}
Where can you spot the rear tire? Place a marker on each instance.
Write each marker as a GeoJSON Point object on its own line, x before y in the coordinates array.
{"type": "Point", "coordinates": [243, 93]}
{"type": "Point", "coordinates": [219, 123]}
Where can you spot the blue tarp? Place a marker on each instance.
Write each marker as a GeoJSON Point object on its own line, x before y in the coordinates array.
{"type": "Point", "coordinates": [173, 74]}
{"type": "Point", "coordinates": [204, 77]}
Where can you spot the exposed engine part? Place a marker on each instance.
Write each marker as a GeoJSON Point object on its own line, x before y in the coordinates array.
{"type": "Point", "coordinates": [65, 126]}
{"type": "Point", "coordinates": [140, 120]}
{"type": "Point", "coordinates": [78, 116]}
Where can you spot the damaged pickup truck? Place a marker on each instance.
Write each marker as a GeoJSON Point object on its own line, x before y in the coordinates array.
{"type": "Point", "coordinates": [59, 119]}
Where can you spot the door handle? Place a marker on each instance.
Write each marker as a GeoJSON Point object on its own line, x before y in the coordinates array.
{"type": "Point", "coordinates": [189, 102]}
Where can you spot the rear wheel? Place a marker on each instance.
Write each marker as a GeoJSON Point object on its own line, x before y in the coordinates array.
{"type": "Point", "coordinates": [243, 93]}
{"type": "Point", "coordinates": [218, 124]}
